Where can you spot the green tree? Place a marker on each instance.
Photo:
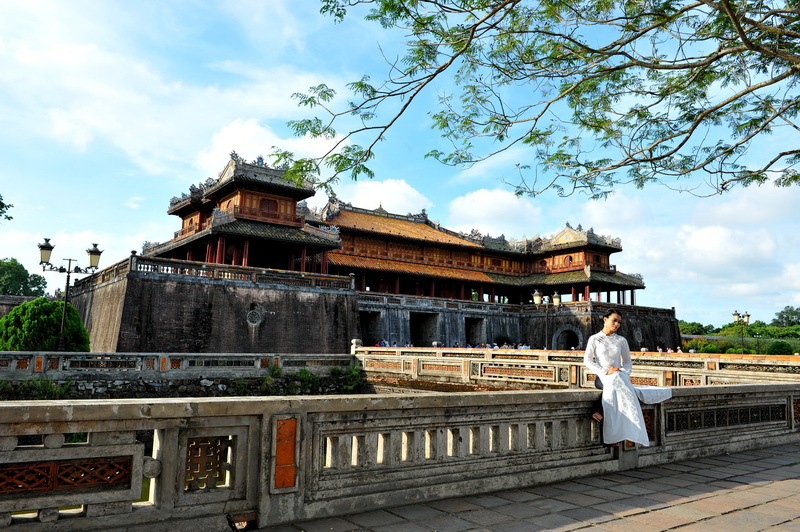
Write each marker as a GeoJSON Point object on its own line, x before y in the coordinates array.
{"type": "Point", "coordinates": [600, 93]}
{"type": "Point", "coordinates": [15, 280]}
{"type": "Point", "coordinates": [779, 348]}
{"type": "Point", "coordinates": [694, 328]}
{"type": "Point", "coordinates": [4, 207]}
{"type": "Point", "coordinates": [787, 317]}
{"type": "Point", "coordinates": [35, 325]}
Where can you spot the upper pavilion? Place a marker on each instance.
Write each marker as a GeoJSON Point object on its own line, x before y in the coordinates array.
{"type": "Point", "coordinates": [251, 216]}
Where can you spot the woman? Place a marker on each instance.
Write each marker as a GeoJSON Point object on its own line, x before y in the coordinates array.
{"type": "Point", "coordinates": [609, 358]}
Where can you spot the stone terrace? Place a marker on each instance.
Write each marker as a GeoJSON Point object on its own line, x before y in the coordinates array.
{"type": "Point", "coordinates": [753, 490]}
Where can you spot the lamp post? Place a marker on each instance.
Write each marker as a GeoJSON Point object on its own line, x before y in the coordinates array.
{"type": "Point", "coordinates": [45, 251]}
{"type": "Point", "coordinates": [743, 320]}
{"type": "Point", "coordinates": [556, 302]}
{"type": "Point", "coordinates": [757, 337]}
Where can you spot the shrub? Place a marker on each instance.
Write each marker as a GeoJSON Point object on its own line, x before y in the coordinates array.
{"type": "Point", "coordinates": [34, 326]}
{"type": "Point", "coordinates": [779, 348]}
{"type": "Point", "coordinates": [350, 380]}
{"type": "Point", "coordinates": [710, 348]}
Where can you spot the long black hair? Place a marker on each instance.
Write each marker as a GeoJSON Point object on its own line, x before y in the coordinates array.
{"type": "Point", "coordinates": [611, 311]}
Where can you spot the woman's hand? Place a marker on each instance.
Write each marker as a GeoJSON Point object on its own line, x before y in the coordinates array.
{"type": "Point", "coordinates": [612, 369]}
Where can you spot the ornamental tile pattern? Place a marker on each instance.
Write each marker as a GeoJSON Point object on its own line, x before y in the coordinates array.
{"type": "Point", "coordinates": [405, 229]}
{"type": "Point", "coordinates": [368, 263]}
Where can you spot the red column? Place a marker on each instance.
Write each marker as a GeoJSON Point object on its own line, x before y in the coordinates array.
{"type": "Point", "coordinates": [633, 297]}
{"type": "Point", "coordinates": [462, 292]}
{"type": "Point", "coordinates": [209, 252]}
{"type": "Point", "coordinates": [220, 259]}
{"type": "Point", "coordinates": [246, 253]}
{"type": "Point", "coordinates": [573, 293]}
{"type": "Point", "coordinates": [586, 293]}
{"type": "Point", "coordinates": [397, 285]}
{"type": "Point", "coordinates": [323, 267]}
{"type": "Point", "coordinates": [303, 259]}
{"type": "Point", "coordinates": [433, 288]}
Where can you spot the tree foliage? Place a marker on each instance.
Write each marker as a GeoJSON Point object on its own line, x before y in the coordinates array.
{"type": "Point", "coordinates": [15, 280]}
{"type": "Point", "coordinates": [779, 348]}
{"type": "Point", "coordinates": [787, 317]}
{"type": "Point", "coordinates": [695, 328]}
{"type": "Point", "coordinates": [4, 207]}
{"type": "Point", "coordinates": [35, 325]}
{"type": "Point", "coordinates": [600, 92]}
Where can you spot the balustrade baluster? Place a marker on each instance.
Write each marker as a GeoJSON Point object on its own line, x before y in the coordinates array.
{"type": "Point", "coordinates": [503, 438]}
{"type": "Point", "coordinates": [370, 449]}
{"type": "Point", "coordinates": [343, 452]}
{"type": "Point", "coordinates": [515, 442]}
{"type": "Point", "coordinates": [494, 439]}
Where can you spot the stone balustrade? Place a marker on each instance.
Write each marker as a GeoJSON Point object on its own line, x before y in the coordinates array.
{"type": "Point", "coordinates": [169, 373]}
{"type": "Point", "coordinates": [534, 368]}
{"type": "Point", "coordinates": [273, 460]}
{"type": "Point", "coordinates": [190, 269]}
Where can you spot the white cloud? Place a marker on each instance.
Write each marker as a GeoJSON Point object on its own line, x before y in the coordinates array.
{"type": "Point", "coordinates": [249, 139]}
{"type": "Point", "coordinates": [134, 202]}
{"type": "Point", "coordinates": [394, 195]}
{"type": "Point", "coordinates": [501, 167]}
{"type": "Point", "coordinates": [494, 212]}
{"type": "Point", "coordinates": [83, 88]}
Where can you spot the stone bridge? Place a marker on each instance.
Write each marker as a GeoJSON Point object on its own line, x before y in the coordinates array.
{"type": "Point", "coordinates": [84, 464]}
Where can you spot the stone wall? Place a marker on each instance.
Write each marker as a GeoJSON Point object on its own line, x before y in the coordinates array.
{"type": "Point", "coordinates": [154, 311]}
{"type": "Point", "coordinates": [150, 305]}
{"type": "Point", "coordinates": [9, 302]}
{"type": "Point", "coordinates": [424, 320]}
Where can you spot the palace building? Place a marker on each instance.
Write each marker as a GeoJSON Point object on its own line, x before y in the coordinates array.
{"type": "Point", "coordinates": [247, 236]}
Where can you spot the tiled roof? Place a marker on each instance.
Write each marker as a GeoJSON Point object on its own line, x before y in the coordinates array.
{"type": "Point", "coordinates": [386, 225]}
{"type": "Point", "coordinates": [367, 263]}
{"type": "Point", "coordinates": [273, 232]}
{"type": "Point", "coordinates": [254, 230]}
{"type": "Point", "coordinates": [579, 276]}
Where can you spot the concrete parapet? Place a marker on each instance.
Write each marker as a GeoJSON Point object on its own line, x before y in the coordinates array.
{"type": "Point", "coordinates": [278, 460]}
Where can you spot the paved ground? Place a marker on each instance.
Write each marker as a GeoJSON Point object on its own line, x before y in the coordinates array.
{"type": "Point", "coordinates": [755, 490]}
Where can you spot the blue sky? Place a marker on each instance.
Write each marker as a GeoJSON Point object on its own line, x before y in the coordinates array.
{"type": "Point", "coordinates": [110, 108]}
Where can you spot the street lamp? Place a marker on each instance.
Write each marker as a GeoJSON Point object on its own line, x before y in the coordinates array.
{"type": "Point", "coordinates": [757, 337]}
{"type": "Point", "coordinates": [742, 319]}
{"type": "Point", "coordinates": [556, 302]}
{"type": "Point", "coordinates": [45, 251]}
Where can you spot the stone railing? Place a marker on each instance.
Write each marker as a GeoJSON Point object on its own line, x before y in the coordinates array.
{"type": "Point", "coordinates": [526, 368]}
{"type": "Point", "coordinates": [131, 372]}
{"type": "Point", "coordinates": [277, 460]}
{"type": "Point", "coordinates": [152, 265]}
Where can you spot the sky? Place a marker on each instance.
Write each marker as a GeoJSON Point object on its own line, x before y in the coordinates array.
{"type": "Point", "coordinates": [110, 108]}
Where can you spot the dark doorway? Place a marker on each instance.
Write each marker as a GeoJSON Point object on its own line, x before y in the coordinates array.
{"type": "Point", "coordinates": [424, 329]}
{"type": "Point", "coordinates": [371, 327]}
{"type": "Point", "coordinates": [475, 331]}
{"type": "Point", "coordinates": [566, 341]}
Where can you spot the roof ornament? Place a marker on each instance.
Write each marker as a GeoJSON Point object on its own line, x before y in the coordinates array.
{"type": "Point", "coordinates": [235, 157]}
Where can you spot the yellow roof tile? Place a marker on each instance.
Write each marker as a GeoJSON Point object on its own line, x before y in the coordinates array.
{"type": "Point", "coordinates": [358, 261]}
{"type": "Point", "coordinates": [402, 228]}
